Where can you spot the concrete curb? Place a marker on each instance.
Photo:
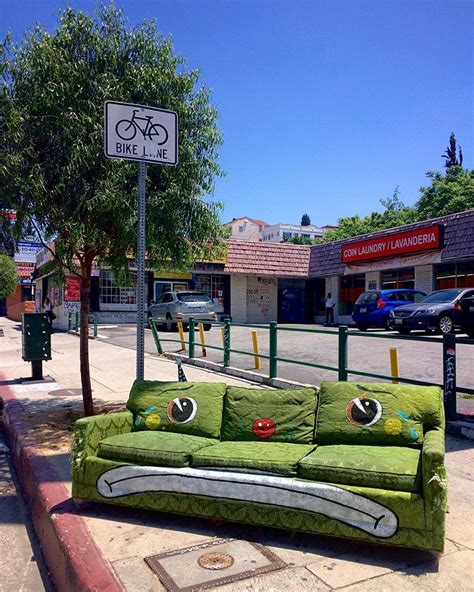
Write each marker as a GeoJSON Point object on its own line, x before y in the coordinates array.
{"type": "Point", "coordinates": [73, 559]}
{"type": "Point", "coordinates": [238, 372]}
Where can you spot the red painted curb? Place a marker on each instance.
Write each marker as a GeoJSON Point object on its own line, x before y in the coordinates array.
{"type": "Point", "coordinates": [73, 559]}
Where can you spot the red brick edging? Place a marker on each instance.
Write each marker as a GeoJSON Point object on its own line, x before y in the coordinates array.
{"type": "Point", "coordinates": [73, 559]}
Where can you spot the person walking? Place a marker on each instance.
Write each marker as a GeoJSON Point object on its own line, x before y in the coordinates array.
{"type": "Point", "coordinates": [329, 305]}
{"type": "Point", "coordinates": [48, 310]}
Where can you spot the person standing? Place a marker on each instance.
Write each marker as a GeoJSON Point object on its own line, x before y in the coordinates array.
{"type": "Point", "coordinates": [329, 305]}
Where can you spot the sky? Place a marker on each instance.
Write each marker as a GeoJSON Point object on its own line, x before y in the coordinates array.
{"type": "Point", "coordinates": [325, 106]}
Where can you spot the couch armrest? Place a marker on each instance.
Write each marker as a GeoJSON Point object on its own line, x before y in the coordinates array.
{"type": "Point", "coordinates": [89, 431]}
{"type": "Point", "coordinates": [434, 478]}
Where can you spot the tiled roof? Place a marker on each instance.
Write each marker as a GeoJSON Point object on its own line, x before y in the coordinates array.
{"type": "Point", "coordinates": [458, 242]}
{"type": "Point", "coordinates": [261, 258]}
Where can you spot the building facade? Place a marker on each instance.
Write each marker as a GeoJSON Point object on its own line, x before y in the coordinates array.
{"type": "Point", "coordinates": [426, 256]}
{"type": "Point", "coordinates": [247, 229]}
{"type": "Point", "coordinates": [278, 233]}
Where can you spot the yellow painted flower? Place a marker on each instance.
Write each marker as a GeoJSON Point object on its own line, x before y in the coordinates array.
{"type": "Point", "coordinates": [152, 421]}
{"type": "Point", "coordinates": [393, 426]}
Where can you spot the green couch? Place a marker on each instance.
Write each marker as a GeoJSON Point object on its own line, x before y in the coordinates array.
{"type": "Point", "coordinates": [358, 460]}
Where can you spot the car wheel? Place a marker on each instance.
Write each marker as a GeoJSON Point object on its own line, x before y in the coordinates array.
{"type": "Point", "coordinates": [362, 327]}
{"type": "Point", "coordinates": [404, 331]}
{"type": "Point", "coordinates": [207, 326]}
{"type": "Point", "coordinates": [445, 324]}
{"type": "Point", "coordinates": [169, 325]}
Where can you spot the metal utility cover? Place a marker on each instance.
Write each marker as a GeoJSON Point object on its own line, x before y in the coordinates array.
{"type": "Point", "coordinates": [141, 133]}
{"type": "Point", "coordinates": [212, 564]}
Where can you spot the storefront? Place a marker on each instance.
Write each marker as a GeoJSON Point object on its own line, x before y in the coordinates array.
{"type": "Point", "coordinates": [425, 256]}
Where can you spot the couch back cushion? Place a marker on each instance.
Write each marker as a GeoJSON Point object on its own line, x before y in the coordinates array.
{"type": "Point", "coordinates": [182, 407]}
{"type": "Point", "coordinates": [371, 413]}
{"type": "Point", "coordinates": [274, 415]}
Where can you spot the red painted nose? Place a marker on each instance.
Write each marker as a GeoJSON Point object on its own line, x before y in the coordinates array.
{"type": "Point", "coordinates": [264, 428]}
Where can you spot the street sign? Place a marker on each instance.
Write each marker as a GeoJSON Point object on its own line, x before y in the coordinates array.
{"type": "Point", "coordinates": [145, 134]}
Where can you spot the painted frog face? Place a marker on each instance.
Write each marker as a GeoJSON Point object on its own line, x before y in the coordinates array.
{"type": "Point", "coordinates": [264, 428]}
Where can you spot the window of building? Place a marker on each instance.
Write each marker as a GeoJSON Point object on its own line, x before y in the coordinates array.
{"type": "Point", "coordinates": [241, 228]}
{"type": "Point", "coordinates": [454, 275]}
{"type": "Point", "coordinates": [213, 286]}
{"type": "Point", "coordinates": [350, 288]}
{"type": "Point", "coordinates": [398, 278]}
{"type": "Point", "coordinates": [113, 296]}
{"type": "Point", "coordinates": [286, 235]}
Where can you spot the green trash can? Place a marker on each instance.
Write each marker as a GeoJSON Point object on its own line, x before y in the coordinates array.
{"type": "Point", "coordinates": [36, 341]}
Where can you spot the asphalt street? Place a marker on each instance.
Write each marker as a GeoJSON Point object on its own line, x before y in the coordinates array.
{"type": "Point", "coordinates": [419, 360]}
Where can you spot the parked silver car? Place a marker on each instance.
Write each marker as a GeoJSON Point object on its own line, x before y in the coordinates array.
{"type": "Point", "coordinates": [179, 306]}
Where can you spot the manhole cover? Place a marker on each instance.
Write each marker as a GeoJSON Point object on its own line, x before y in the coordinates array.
{"type": "Point", "coordinates": [215, 560]}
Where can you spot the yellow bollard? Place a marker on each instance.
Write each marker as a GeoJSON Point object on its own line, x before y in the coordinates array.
{"type": "Point", "coordinates": [223, 336]}
{"type": "Point", "coordinates": [181, 335]}
{"type": "Point", "coordinates": [394, 365]}
{"type": "Point", "coordinates": [255, 350]}
{"type": "Point", "coordinates": [203, 340]}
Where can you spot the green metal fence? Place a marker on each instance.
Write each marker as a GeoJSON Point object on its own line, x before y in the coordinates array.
{"type": "Point", "coordinates": [73, 322]}
{"type": "Point", "coordinates": [343, 368]}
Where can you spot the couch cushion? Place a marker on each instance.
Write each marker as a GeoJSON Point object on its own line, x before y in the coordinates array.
{"type": "Point", "coordinates": [154, 448]}
{"type": "Point", "coordinates": [269, 414]}
{"type": "Point", "coordinates": [182, 407]}
{"type": "Point", "coordinates": [274, 457]}
{"type": "Point", "coordinates": [382, 467]}
{"type": "Point", "coordinates": [371, 413]}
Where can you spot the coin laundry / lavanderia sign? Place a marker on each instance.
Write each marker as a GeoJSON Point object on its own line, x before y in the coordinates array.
{"type": "Point", "coordinates": [421, 239]}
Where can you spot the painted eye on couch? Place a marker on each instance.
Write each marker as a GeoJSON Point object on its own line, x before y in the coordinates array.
{"type": "Point", "coordinates": [182, 410]}
{"type": "Point", "coordinates": [364, 412]}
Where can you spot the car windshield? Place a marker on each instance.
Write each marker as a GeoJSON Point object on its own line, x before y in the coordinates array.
{"type": "Point", "coordinates": [194, 297]}
{"type": "Point", "coordinates": [443, 296]}
{"type": "Point", "coordinates": [367, 297]}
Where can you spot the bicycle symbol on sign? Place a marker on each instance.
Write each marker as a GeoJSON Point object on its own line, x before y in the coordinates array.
{"type": "Point", "coordinates": [127, 129]}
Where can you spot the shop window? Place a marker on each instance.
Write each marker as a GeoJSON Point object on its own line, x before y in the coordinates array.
{"type": "Point", "coordinates": [350, 288]}
{"type": "Point", "coordinates": [26, 293]}
{"type": "Point", "coordinates": [454, 275]}
{"type": "Point", "coordinates": [113, 296]}
{"type": "Point", "coordinates": [398, 278]}
{"type": "Point", "coordinates": [213, 286]}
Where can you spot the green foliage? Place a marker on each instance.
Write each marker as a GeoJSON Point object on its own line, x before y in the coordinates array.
{"type": "Point", "coordinates": [448, 194]}
{"type": "Point", "coordinates": [305, 220]}
{"type": "Point", "coordinates": [301, 240]}
{"type": "Point", "coordinates": [395, 213]}
{"type": "Point", "coordinates": [8, 277]}
{"type": "Point", "coordinates": [53, 164]}
{"type": "Point", "coordinates": [450, 156]}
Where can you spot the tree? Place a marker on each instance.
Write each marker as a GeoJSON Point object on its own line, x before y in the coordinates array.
{"type": "Point", "coordinates": [8, 277]}
{"type": "Point", "coordinates": [305, 220]}
{"type": "Point", "coordinates": [395, 213]}
{"type": "Point", "coordinates": [53, 165]}
{"type": "Point", "coordinates": [450, 153]}
{"type": "Point", "coordinates": [301, 240]}
{"type": "Point", "coordinates": [446, 194]}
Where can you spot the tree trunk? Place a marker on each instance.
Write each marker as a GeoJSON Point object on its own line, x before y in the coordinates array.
{"type": "Point", "coordinates": [86, 269]}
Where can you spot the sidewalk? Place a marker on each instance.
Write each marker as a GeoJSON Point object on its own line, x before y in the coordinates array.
{"type": "Point", "coordinates": [123, 537]}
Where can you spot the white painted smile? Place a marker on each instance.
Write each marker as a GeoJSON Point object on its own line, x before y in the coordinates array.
{"type": "Point", "coordinates": [334, 502]}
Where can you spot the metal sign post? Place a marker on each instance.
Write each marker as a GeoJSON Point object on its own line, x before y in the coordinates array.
{"type": "Point", "coordinates": [141, 271]}
{"type": "Point", "coordinates": [143, 134]}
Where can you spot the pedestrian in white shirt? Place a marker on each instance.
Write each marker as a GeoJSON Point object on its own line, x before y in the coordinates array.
{"type": "Point", "coordinates": [329, 304]}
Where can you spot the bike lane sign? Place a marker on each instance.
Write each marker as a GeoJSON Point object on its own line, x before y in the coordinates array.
{"type": "Point", "coordinates": [136, 132]}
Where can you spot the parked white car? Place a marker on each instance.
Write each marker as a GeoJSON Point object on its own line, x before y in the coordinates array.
{"type": "Point", "coordinates": [179, 306]}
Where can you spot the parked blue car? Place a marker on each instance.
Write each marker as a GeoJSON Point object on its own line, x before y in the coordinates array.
{"type": "Point", "coordinates": [373, 307]}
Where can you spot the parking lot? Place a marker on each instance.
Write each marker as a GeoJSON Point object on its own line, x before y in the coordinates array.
{"type": "Point", "coordinates": [420, 360]}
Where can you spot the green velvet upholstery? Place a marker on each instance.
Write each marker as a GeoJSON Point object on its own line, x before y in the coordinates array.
{"type": "Point", "coordinates": [154, 448]}
{"type": "Point", "coordinates": [269, 414]}
{"type": "Point", "coordinates": [371, 413]}
{"type": "Point", "coordinates": [274, 457]}
{"type": "Point", "coordinates": [382, 460]}
{"type": "Point", "coordinates": [182, 407]}
{"type": "Point", "coordinates": [368, 466]}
